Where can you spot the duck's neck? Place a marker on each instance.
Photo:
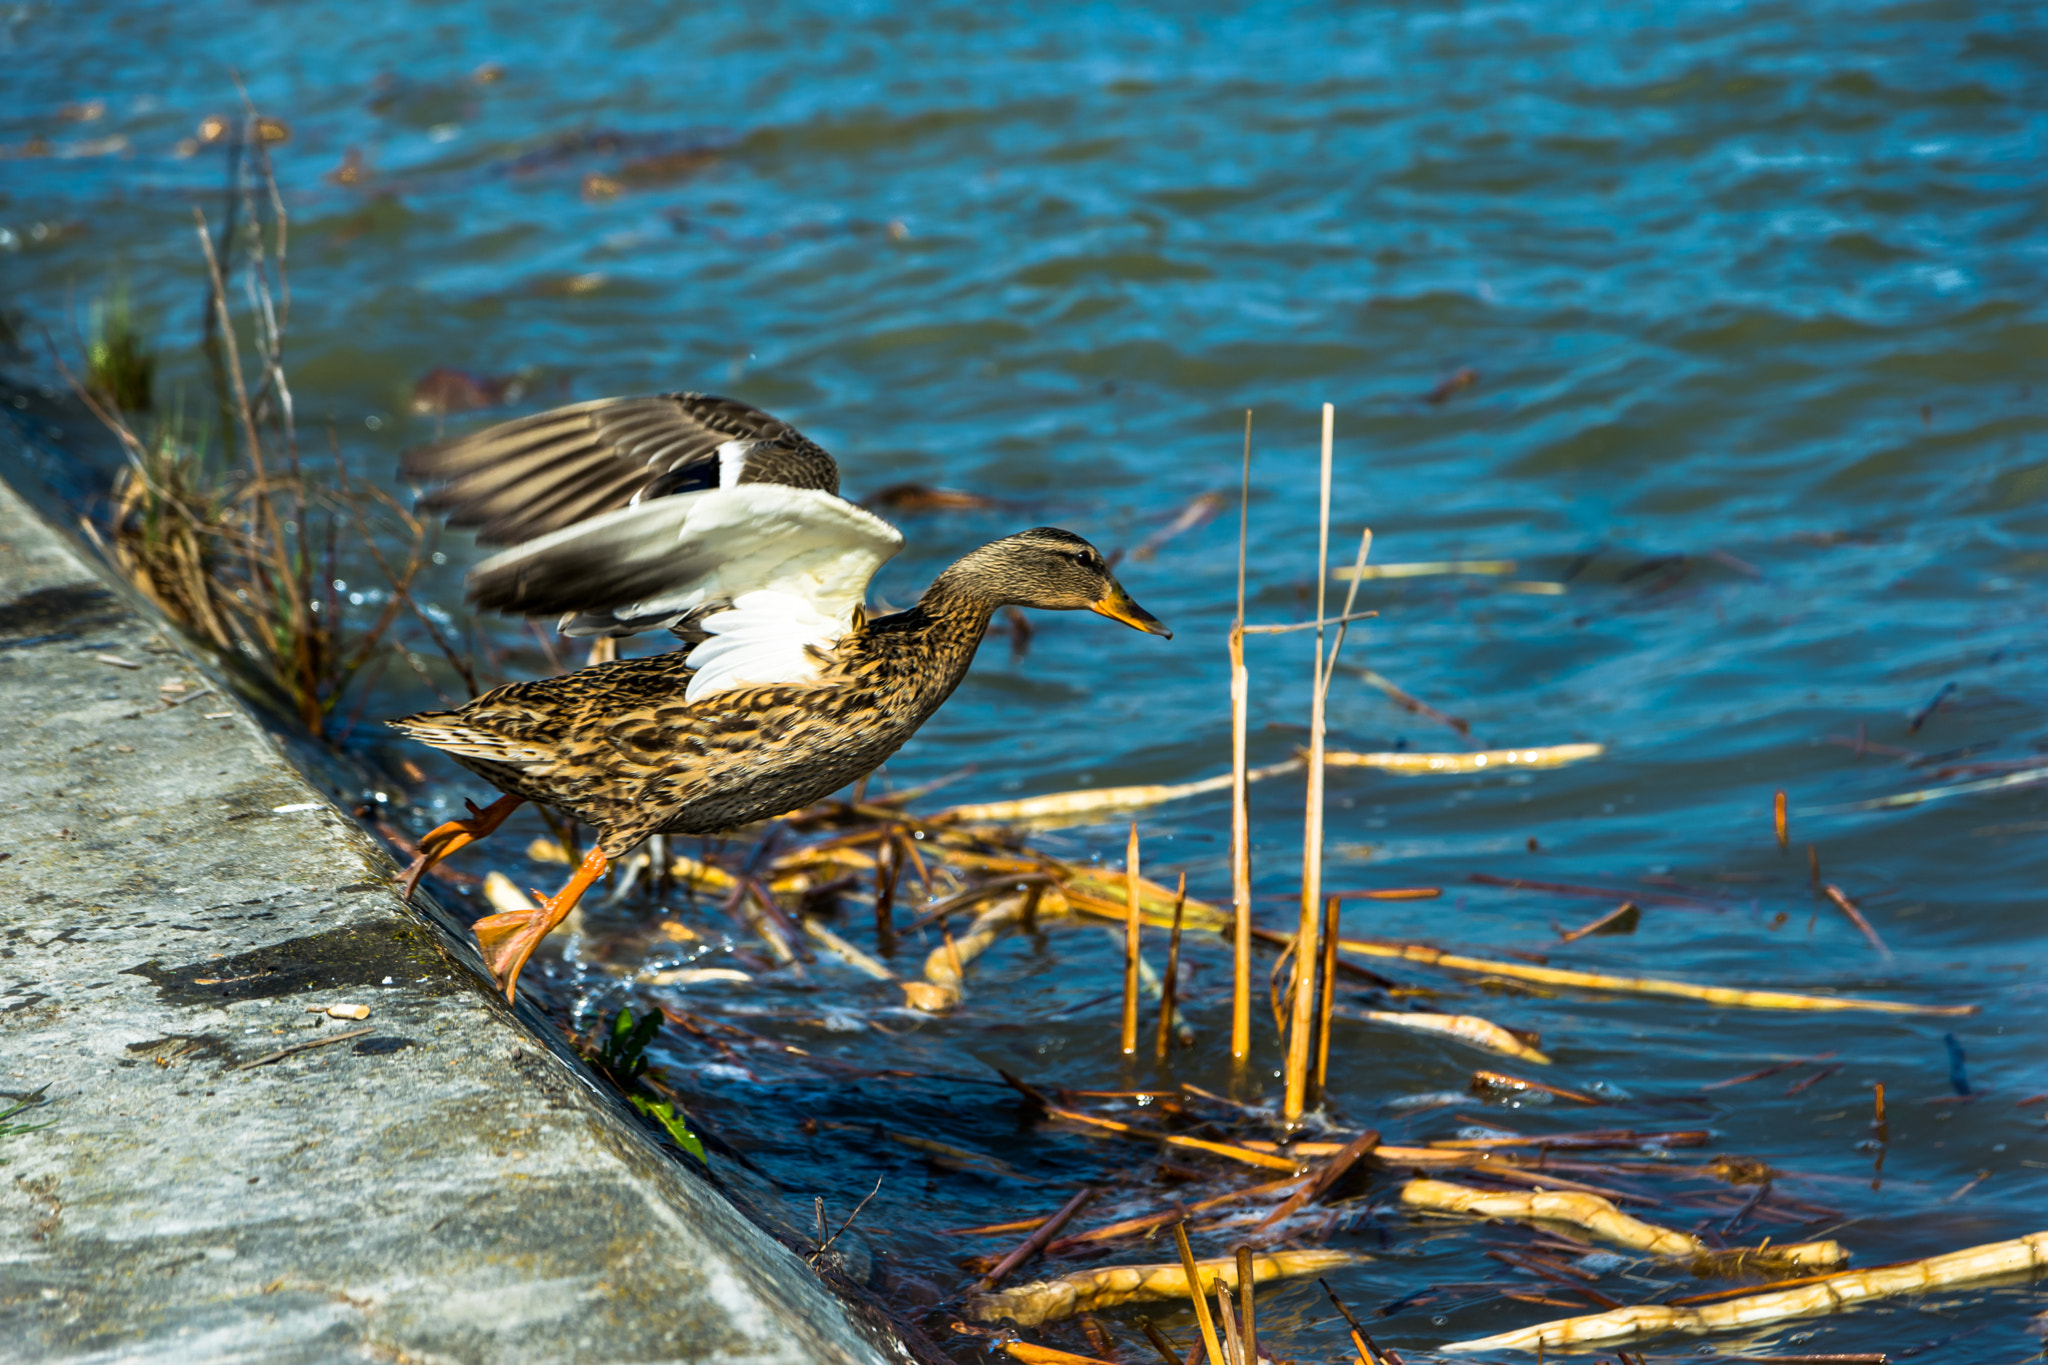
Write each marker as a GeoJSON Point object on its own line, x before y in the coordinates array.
{"type": "Point", "coordinates": [925, 651]}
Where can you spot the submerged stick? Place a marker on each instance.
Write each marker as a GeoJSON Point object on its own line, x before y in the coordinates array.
{"type": "Point", "coordinates": [1035, 1243]}
{"type": "Point", "coordinates": [1641, 985]}
{"type": "Point", "coordinates": [1131, 926]}
{"type": "Point", "coordinates": [1599, 1217]}
{"type": "Point", "coordinates": [1825, 1295]}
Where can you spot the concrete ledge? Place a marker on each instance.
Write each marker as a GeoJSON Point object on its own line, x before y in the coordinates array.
{"type": "Point", "coordinates": [448, 1186]}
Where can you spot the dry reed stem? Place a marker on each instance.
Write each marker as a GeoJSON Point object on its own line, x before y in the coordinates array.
{"type": "Point", "coordinates": [1132, 927]}
{"type": "Point", "coordinates": [1643, 985]}
{"type": "Point", "coordinates": [1030, 1305]}
{"type": "Point", "coordinates": [1469, 1029]}
{"type": "Point", "coordinates": [1826, 1295]}
{"type": "Point", "coordinates": [1240, 778]}
{"type": "Point", "coordinates": [1240, 858]}
{"type": "Point", "coordinates": [1540, 756]}
{"type": "Point", "coordinates": [1247, 1155]}
{"type": "Point", "coordinates": [1169, 984]}
{"type": "Point", "coordinates": [1076, 805]}
{"type": "Point", "coordinates": [1599, 1217]}
{"type": "Point", "coordinates": [1306, 958]}
{"type": "Point", "coordinates": [1247, 1306]}
{"type": "Point", "coordinates": [1328, 1001]}
{"type": "Point", "coordinates": [1198, 1295]}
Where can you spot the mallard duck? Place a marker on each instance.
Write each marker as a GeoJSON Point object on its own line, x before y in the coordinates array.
{"type": "Point", "coordinates": [712, 519]}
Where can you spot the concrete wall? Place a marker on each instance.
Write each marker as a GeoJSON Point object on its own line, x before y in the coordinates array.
{"type": "Point", "coordinates": [448, 1186]}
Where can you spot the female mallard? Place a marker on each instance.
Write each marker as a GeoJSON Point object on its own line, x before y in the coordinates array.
{"type": "Point", "coordinates": [713, 519]}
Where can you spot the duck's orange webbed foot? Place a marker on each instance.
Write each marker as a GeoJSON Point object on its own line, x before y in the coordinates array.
{"type": "Point", "coordinates": [443, 840]}
{"type": "Point", "coordinates": [508, 940]}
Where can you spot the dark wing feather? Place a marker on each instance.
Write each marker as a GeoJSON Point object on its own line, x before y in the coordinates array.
{"type": "Point", "coordinates": [537, 474]}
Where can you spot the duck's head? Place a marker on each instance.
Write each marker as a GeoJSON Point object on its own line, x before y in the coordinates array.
{"type": "Point", "coordinates": [1053, 569]}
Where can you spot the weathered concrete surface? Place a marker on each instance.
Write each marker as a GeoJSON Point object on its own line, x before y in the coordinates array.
{"type": "Point", "coordinates": [447, 1187]}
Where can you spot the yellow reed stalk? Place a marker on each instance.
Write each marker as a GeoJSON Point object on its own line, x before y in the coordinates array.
{"type": "Point", "coordinates": [1302, 1025]}
{"type": "Point", "coordinates": [2022, 1255]}
{"type": "Point", "coordinates": [1198, 1294]}
{"type": "Point", "coordinates": [1132, 924]}
{"type": "Point", "coordinates": [1465, 1028]}
{"type": "Point", "coordinates": [1541, 756]}
{"type": "Point", "coordinates": [1641, 985]}
{"type": "Point", "coordinates": [1030, 1305]}
{"type": "Point", "coordinates": [1327, 1005]}
{"type": "Point", "coordinates": [1599, 1217]}
{"type": "Point", "coordinates": [847, 953]}
{"type": "Point", "coordinates": [1240, 777]}
{"type": "Point", "coordinates": [1104, 896]}
{"type": "Point", "coordinates": [1055, 807]}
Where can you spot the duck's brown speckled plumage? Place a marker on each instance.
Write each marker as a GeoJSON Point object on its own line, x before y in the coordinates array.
{"type": "Point", "coordinates": [617, 747]}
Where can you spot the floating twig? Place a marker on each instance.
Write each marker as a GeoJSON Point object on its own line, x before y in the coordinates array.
{"type": "Point", "coordinates": [1030, 1305]}
{"type": "Point", "coordinates": [1035, 1243]}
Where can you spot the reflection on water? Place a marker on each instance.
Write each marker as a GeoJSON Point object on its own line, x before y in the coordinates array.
{"type": "Point", "coordinates": [1725, 317]}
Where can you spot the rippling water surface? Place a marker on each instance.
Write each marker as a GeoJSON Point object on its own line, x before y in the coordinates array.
{"type": "Point", "coordinates": [1753, 296]}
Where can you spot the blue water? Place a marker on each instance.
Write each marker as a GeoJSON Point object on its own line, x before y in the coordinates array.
{"type": "Point", "coordinates": [1753, 293]}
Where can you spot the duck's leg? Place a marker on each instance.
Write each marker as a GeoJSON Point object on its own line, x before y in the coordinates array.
{"type": "Point", "coordinates": [443, 840]}
{"type": "Point", "coordinates": [508, 940]}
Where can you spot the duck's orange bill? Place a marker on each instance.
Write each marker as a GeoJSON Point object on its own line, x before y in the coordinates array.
{"type": "Point", "coordinates": [1117, 605]}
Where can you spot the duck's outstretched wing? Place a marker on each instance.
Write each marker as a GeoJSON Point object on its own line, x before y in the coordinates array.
{"type": "Point", "coordinates": [540, 474]}
{"type": "Point", "coordinates": [784, 569]}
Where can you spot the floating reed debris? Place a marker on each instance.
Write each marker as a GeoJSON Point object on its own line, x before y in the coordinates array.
{"type": "Point", "coordinates": [1495, 1084]}
{"type": "Point", "coordinates": [1641, 985]}
{"type": "Point", "coordinates": [1086, 1291]}
{"type": "Point", "coordinates": [1778, 821]}
{"type": "Point", "coordinates": [1825, 1294]}
{"type": "Point", "coordinates": [1247, 1155]}
{"type": "Point", "coordinates": [1623, 919]}
{"type": "Point", "coordinates": [1599, 1217]}
{"type": "Point", "coordinates": [1469, 1029]}
{"type": "Point", "coordinates": [1089, 803]}
{"type": "Point", "coordinates": [1407, 701]}
{"type": "Point", "coordinates": [1495, 568]}
{"type": "Point", "coordinates": [1402, 761]}
{"type": "Point", "coordinates": [1848, 907]}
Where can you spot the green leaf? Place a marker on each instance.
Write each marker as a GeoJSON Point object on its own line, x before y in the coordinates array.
{"type": "Point", "coordinates": [676, 1124]}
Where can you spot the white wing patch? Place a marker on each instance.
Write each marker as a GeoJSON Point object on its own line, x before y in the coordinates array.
{"type": "Point", "coordinates": [650, 565]}
{"type": "Point", "coordinates": [732, 459]}
{"type": "Point", "coordinates": [766, 637]}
